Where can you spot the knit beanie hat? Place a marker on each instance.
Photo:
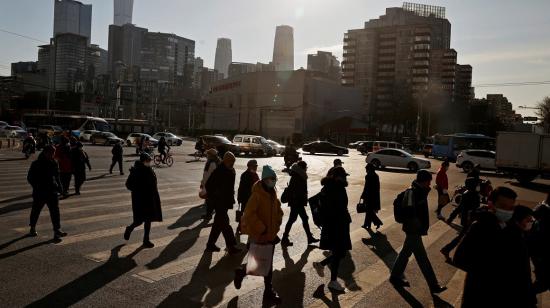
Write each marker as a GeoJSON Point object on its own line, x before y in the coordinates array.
{"type": "Point", "coordinates": [267, 172]}
{"type": "Point", "coordinates": [228, 157]}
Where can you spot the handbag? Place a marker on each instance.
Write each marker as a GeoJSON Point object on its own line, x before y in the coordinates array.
{"type": "Point", "coordinates": [361, 207]}
{"type": "Point", "coordinates": [238, 214]}
{"type": "Point", "coordinates": [284, 195]}
{"type": "Point", "coordinates": [260, 259]}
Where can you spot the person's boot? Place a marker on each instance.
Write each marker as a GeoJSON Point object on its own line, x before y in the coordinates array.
{"type": "Point", "coordinates": [311, 239]}
{"type": "Point", "coordinates": [285, 241]}
{"type": "Point", "coordinates": [446, 254]}
{"type": "Point", "coordinates": [212, 248]}
{"type": "Point", "coordinates": [127, 233]}
{"type": "Point", "coordinates": [399, 282]}
{"type": "Point", "coordinates": [33, 232]}
{"type": "Point", "coordinates": [58, 234]}
{"type": "Point", "coordinates": [148, 244]}
{"type": "Point", "coordinates": [271, 296]}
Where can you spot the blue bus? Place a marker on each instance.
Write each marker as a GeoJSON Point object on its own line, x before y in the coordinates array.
{"type": "Point", "coordinates": [449, 146]}
{"type": "Point", "coordinates": [72, 122]}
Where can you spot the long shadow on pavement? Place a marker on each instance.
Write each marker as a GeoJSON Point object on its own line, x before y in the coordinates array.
{"type": "Point", "coordinates": [15, 207]}
{"type": "Point", "coordinates": [185, 239]}
{"type": "Point", "coordinates": [90, 282]}
{"type": "Point", "coordinates": [20, 250]}
{"type": "Point", "coordinates": [205, 283]}
{"type": "Point", "coordinates": [18, 198]}
{"type": "Point", "coordinates": [15, 240]}
{"type": "Point", "coordinates": [538, 187]}
{"type": "Point", "coordinates": [379, 244]}
{"type": "Point", "coordinates": [292, 293]}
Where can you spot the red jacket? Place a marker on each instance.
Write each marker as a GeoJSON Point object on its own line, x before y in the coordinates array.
{"type": "Point", "coordinates": [441, 179]}
{"type": "Point", "coordinates": [63, 157]}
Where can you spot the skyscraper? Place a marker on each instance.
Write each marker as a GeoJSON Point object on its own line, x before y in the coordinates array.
{"type": "Point", "coordinates": [72, 17]}
{"type": "Point", "coordinates": [283, 48]}
{"type": "Point", "coordinates": [325, 62]}
{"type": "Point", "coordinates": [223, 56]}
{"type": "Point", "coordinates": [123, 12]}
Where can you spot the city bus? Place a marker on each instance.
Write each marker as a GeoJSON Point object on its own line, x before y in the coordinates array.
{"type": "Point", "coordinates": [449, 146]}
{"type": "Point", "coordinates": [68, 122]}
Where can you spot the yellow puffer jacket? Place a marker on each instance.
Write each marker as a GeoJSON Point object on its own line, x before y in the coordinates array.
{"type": "Point", "coordinates": [263, 216]}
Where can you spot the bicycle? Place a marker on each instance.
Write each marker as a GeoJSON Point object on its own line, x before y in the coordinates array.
{"type": "Point", "coordinates": [168, 160]}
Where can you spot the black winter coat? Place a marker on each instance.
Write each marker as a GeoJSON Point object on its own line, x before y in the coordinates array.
{"type": "Point", "coordinates": [80, 161]}
{"type": "Point", "coordinates": [468, 204]}
{"type": "Point", "coordinates": [221, 188]}
{"type": "Point", "coordinates": [44, 177]}
{"type": "Point", "coordinates": [371, 191]}
{"type": "Point", "coordinates": [335, 234]}
{"type": "Point", "coordinates": [117, 151]}
{"type": "Point", "coordinates": [248, 179]}
{"type": "Point", "coordinates": [142, 182]}
{"type": "Point", "coordinates": [480, 255]}
{"type": "Point", "coordinates": [297, 190]}
{"type": "Point", "coordinates": [417, 219]}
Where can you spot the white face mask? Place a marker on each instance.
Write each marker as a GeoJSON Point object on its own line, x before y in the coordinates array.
{"type": "Point", "coordinates": [503, 215]}
{"type": "Point", "coordinates": [147, 163]}
{"type": "Point", "coordinates": [270, 183]}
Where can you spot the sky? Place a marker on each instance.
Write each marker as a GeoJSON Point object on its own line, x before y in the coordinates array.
{"type": "Point", "coordinates": [504, 40]}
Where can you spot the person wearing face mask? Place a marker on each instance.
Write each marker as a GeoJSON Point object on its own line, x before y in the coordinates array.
{"type": "Point", "coordinates": [518, 281]}
{"type": "Point", "coordinates": [335, 234]}
{"type": "Point", "coordinates": [262, 221]}
{"type": "Point", "coordinates": [539, 249]}
{"type": "Point", "coordinates": [442, 185]}
{"type": "Point", "coordinates": [416, 222]}
{"type": "Point", "coordinates": [482, 254]}
{"type": "Point", "coordinates": [221, 193]}
{"type": "Point", "coordinates": [142, 182]}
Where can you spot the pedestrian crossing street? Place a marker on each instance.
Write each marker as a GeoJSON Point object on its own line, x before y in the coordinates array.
{"type": "Point", "coordinates": [96, 220]}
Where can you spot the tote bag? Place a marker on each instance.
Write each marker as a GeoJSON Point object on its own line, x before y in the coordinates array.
{"type": "Point", "coordinates": [260, 259]}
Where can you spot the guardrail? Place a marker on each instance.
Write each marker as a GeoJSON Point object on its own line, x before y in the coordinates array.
{"type": "Point", "coordinates": [10, 144]}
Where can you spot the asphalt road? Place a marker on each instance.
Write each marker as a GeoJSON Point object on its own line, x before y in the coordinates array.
{"type": "Point", "coordinates": [94, 266]}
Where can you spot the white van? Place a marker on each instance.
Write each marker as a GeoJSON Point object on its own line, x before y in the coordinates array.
{"type": "Point", "coordinates": [254, 145]}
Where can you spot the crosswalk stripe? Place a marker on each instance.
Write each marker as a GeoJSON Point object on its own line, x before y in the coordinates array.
{"type": "Point", "coordinates": [98, 218]}
{"type": "Point", "coordinates": [376, 274]}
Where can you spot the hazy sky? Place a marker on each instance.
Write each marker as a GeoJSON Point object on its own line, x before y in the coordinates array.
{"type": "Point", "coordinates": [504, 40]}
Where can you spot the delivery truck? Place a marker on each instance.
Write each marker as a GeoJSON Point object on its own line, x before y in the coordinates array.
{"type": "Point", "coordinates": [523, 155]}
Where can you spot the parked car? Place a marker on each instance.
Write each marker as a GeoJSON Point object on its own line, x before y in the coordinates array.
{"type": "Point", "coordinates": [324, 147]}
{"type": "Point", "coordinates": [427, 150]}
{"type": "Point", "coordinates": [11, 131]}
{"type": "Point", "coordinates": [85, 135]}
{"type": "Point", "coordinates": [50, 130]}
{"type": "Point", "coordinates": [355, 144]}
{"type": "Point", "coordinates": [105, 138]}
{"type": "Point", "coordinates": [170, 138]}
{"type": "Point", "coordinates": [365, 147]}
{"type": "Point", "coordinates": [278, 149]}
{"type": "Point", "coordinates": [134, 138]}
{"type": "Point", "coordinates": [219, 143]}
{"type": "Point", "coordinates": [467, 159]}
{"type": "Point", "coordinates": [254, 145]}
{"type": "Point", "coordinates": [3, 124]}
{"type": "Point", "coordinates": [397, 158]}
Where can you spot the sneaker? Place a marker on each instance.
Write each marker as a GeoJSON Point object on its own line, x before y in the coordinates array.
{"type": "Point", "coordinates": [148, 244]}
{"type": "Point", "coordinates": [33, 233]}
{"type": "Point", "coordinates": [239, 276]}
{"type": "Point", "coordinates": [57, 235]}
{"type": "Point", "coordinates": [127, 233]}
{"type": "Point", "coordinates": [437, 289]}
{"type": "Point", "coordinates": [335, 286]}
{"type": "Point", "coordinates": [286, 242]}
{"type": "Point", "coordinates": [272, 297]}
{"type": "Point", "coordinates": [312, 240]}
{"type": "Point", "coordinates": [212, 248]}
{"type": "Point", "coordinates": [399, 282]}
{"type": "Point", "coordinates": [320, 268]}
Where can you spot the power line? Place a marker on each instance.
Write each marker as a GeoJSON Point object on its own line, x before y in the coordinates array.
{"type": "Point", "coordinates": [513, 84]}
{"type": "Point", "coordinates": [24, 36]}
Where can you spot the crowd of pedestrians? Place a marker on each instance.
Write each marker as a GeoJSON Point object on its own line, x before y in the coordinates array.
{"type": "Point", "coordinates": [495, 246]}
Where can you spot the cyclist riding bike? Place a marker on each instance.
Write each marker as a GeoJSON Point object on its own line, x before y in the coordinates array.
{"type": "Point", "coordinates": [162, 145]}
{"type": "Point", "coordinates": [29, 145]}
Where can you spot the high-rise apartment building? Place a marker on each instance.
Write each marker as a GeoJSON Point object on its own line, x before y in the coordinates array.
{"type": "Point", "coordinates": [125, 46]}
{"type": "Point", "coordinates": [223, 56]}
{"type": "Point", "coordinates": [72, 17]}
{"type": "Point", "coordinates": [283, 48]}
{"type": "Point", "coordinates": [464, 92]}
{"type": "Point", "coordinates": [324, 62]}
{"type": "Point", "coordinates": [69, 61]}
{"type": "Point", "coordinates": [123, 12]}
{"type": "Point", "coordinates": [403, 55]}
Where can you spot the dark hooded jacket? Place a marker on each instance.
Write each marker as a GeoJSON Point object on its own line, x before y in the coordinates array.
{"type": "Point", "coordinates": [221, 188]}
{"type": "Point", "coordinates": [335, 234]}
{"type": "Point", "coordinates": [44, 176]}
{"type": "Point", "coordinates": [297, 187]}
{"type": "Point", "coordinates": [417, 219]}
{"type": "Point", "coordinates": [371, 191]}
{"type": "Point", "coordinates": [142, 182]}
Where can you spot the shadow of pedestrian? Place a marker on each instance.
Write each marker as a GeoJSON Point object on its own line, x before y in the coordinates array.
{"type": "Point", "coordinates": [97, 177]}
{"type": "Point", "coordinates": [409, 298]}
{"type": "Point", "coordinates": [205, 283]}
{"type": "Point", "coordinates": [538, 187]}
{"type": "Point", "coordinates": [15, 207]}
{"type": "Point", "coordinates": [333, 302]}
{"type": "Point", "coordinates": [15, 240]}
{"type": "Point", "coordinates": [20, 250]}
{"type": "Point", "coordinates": [19, 198]}
{"type": "Point", "coordinates": [440, 303]}
{"type": "Point", "coordinates": [90, 282]}
{"type": "Point", "coordinates": [379, 244]}
{"type": "Point", "coordinates": [292, 293]}
{"type": "Point", "coordinates": [13, 159]}
{"type": "Point", "coordinates": [185, 239]}
{"type": "Point", "coordinates": [345, 272]}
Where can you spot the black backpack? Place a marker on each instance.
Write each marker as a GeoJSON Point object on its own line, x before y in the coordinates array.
{"type": "Point", "coordinates": [316, 205]}
{"type": "Point", "coordinates": [399, 212]}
